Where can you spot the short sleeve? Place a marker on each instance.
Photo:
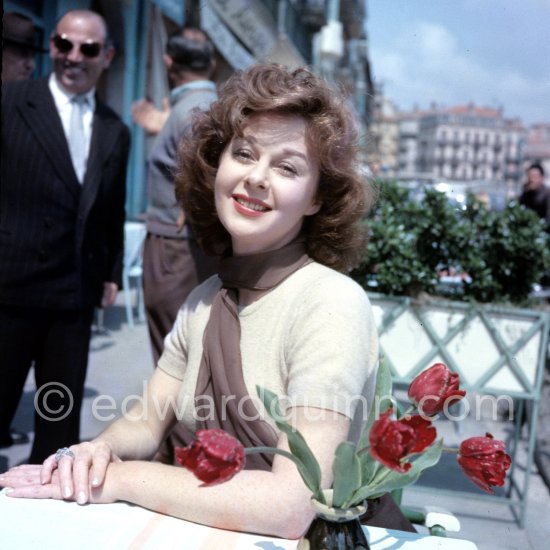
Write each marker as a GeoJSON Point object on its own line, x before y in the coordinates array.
{"type": "Point", "coordinates": [332, 348]}
{"type": "Point", "coordinates": [174, 356]}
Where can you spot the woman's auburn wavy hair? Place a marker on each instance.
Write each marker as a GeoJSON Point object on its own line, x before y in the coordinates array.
{"type": "Point", "coordinates": [334, 236]}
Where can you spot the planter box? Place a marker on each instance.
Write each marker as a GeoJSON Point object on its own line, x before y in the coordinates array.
{"type": "Point", "coordinates": [495, 350]}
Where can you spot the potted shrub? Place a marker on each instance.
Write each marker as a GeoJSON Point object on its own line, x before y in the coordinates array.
{"type": "Point", "coordinates": [450, 283]}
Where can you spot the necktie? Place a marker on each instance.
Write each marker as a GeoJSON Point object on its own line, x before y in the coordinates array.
{"type": "Point", "coordinates": [77, 140]}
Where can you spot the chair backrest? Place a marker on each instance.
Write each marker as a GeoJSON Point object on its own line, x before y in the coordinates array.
{"type": "Point", "coordinates": [134, 236]}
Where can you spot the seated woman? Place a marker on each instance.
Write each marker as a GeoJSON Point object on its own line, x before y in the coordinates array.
{"type": "Point", "coordinates": [269, 176]}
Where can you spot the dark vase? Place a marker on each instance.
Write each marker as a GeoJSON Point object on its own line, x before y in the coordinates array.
{"type": "Point", "coordinates": [334, 528]}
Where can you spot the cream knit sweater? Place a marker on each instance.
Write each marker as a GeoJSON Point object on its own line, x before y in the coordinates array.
{"type": "Point", "coordinates": [312, 340]}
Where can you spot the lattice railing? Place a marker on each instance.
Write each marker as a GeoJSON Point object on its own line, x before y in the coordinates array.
{"type": "Point", "coordinates": [495, 350]}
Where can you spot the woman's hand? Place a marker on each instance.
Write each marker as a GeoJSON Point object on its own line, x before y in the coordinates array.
{"type": "Point", "coordinates": [79, 478]}
{"type": "Point", "coordinates": [24, 481]}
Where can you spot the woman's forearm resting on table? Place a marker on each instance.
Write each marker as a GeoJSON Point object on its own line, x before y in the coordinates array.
{"type": "Point", "coordinates": [273, 503]}
{"type": "Point", "coordinates": [253, 501]}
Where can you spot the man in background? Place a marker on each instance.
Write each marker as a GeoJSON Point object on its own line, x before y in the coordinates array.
{"type": "Point", "coordinates": [64, 157]}
{"type": "Point", "coordinates": [19, 47]}
{"type": "Point", "coordinates": [173, 263]}
{"type": "Point", "coordinates": [535, 195]}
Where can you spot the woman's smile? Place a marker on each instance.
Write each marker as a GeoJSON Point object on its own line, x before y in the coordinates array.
{"type": "Point", "coordinates": [249, 206]}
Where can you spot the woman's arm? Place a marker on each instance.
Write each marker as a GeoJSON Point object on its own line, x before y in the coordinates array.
{"type": "Point", "coordinates": [275, 503]}
{"type": "Point", "coordinates": [136, 435]}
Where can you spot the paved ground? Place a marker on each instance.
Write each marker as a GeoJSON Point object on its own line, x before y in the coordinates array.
{"type": "Point", "coordinates": [121, 360]}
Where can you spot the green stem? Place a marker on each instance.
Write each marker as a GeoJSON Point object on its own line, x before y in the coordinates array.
{"type": "Point", "coordinates": [411, 409]}
{"type": "Point", "coordinates": [385, 474]}
{"type": "Point", "coordinates": [274, 450]}
{"type": "Point", "coordinates": [363, 450]}
{"type": "Point", "coordinates": [452, 450]}
{"type": "Point", "coordinates": [374, 480]}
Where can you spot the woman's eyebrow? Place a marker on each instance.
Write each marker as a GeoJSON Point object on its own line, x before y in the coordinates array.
{"type": "Point", "coordinates": [286, 150]}
{"type": "Point", "coordinates": [295, 153]}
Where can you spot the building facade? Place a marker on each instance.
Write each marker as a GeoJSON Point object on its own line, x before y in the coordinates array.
{"type": "Point", "coordinates": [471, 143]}
{"type": "Point", "coordinates": [461, 143]}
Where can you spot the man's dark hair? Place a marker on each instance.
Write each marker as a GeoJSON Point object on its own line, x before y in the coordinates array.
{"type": "Point", "coordinates": [193, 54]}
{"type": "Point", "coordinates": [537, 166]}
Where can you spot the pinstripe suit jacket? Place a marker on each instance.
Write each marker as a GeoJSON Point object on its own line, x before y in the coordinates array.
{"type": "Point", "coordinates": [59, 240]}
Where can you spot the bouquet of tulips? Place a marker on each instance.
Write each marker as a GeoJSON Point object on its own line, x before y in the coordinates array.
{"type": "Point", "coordinates": [392, 452]}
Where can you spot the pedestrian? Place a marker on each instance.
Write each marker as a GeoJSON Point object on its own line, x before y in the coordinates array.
{"type": "Point", "coordinates": [269, 177]}
{"type": "Point", "coordinates": [64, 157]}
{"type": "Point", "coordinates": [19, 47]}
{"type": "Point", "coordinates": [173, 263]}
{"type": "Point", "coordinates": [535, 194]}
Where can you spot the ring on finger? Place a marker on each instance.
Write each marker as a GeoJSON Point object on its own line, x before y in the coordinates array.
{"type": "Point", "coordinates": [64, 451]}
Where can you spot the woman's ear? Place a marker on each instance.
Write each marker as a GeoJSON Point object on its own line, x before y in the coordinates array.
{"type": "Point", "coordinates": [314, 208]}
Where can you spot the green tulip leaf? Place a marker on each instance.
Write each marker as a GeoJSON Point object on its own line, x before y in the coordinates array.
{"type": "Point", "coordinates": [307, 464]}
{"type": "Point", "coordinates": [382, 393]}
{"type": "Point", "coordinates": [369, 468]}
{"type": "Point", "coordinates": [346, 470]}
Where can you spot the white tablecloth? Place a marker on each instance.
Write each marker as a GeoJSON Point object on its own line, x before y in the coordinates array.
{"type": "Point", "coordinates": [58, 525]}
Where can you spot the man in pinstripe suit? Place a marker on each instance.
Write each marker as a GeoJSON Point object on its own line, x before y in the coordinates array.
{"type": "Point", "coordinates": [61, 228]}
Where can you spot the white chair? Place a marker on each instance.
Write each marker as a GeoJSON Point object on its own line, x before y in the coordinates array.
{"type": "Point", "coordinates": [134, 237]}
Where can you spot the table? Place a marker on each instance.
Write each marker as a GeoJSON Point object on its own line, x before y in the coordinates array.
{"type": "Point", "coordinates": [59, 525]}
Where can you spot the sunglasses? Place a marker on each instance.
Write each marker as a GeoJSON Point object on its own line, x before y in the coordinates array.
{"type": "Point", "coordinates": [88, 49]}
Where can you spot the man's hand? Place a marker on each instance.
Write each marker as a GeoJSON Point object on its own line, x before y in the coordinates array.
{"type": "Point", "coordinates": [109, 294]}
{"type": "Point", "coordinates": [150, 118]}
{"type": "Point", "coordinates": [180, 222]}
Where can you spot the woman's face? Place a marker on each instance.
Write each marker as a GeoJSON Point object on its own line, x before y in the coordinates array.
{"type": "Point", "coordinates": [266, 183]}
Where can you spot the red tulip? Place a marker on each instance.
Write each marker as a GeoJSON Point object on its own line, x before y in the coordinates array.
{"type": "Point", "coordinates": [484, 461]}
{"type": "Point", "coordinates": [434, 388]}
{"type": "Point", "coordinates": [391, 441]}
{"type": "Point", "coordinates": [214, 457]}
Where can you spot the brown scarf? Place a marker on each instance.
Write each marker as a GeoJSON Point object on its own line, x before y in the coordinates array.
{"type": "Point", "coordinates": [220, 381]}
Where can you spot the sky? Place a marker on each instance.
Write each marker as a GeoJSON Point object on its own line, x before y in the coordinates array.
{"type": "Point", "coordinates": [488, 52]}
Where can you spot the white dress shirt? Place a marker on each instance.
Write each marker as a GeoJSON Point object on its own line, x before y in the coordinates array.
{"type": "Point", "coordinates": [62, 100]}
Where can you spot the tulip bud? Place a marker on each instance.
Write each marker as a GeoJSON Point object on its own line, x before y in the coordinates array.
{"type": "Point", "coordinates": [391, 441]}
{"type": "Point", "coordinates": [434, 389]}
{"type": "Point", "coordinates": [214, 457]}
{"type": "Point", "coordinates": [485, 461]}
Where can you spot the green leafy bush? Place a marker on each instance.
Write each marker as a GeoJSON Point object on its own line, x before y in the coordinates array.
{"type": "Point", "coordinates": [497, 256]}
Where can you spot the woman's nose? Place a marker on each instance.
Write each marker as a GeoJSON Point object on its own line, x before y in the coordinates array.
{"type": "Point", "coordinates": [258, 176]}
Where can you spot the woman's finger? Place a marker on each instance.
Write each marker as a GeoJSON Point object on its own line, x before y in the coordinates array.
{"type": "Point", "coordinates": [81, 475]}
{"type": "Point", "coordinates": [50, 490]}
{"type": "Point", "coordinates": [28, 474]}
{"type": "Point", "coordinates": [65, 467]}
{"type": "Point", "coordinates": [102, 459]}
{"type": "Point", "coordinates": [49, 465]}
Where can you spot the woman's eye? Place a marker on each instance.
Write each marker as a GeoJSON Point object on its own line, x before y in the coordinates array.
{"type": "Point", "coordinates": [288, 170]}
{"type": "Point", "coordinates": [242, 154]}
